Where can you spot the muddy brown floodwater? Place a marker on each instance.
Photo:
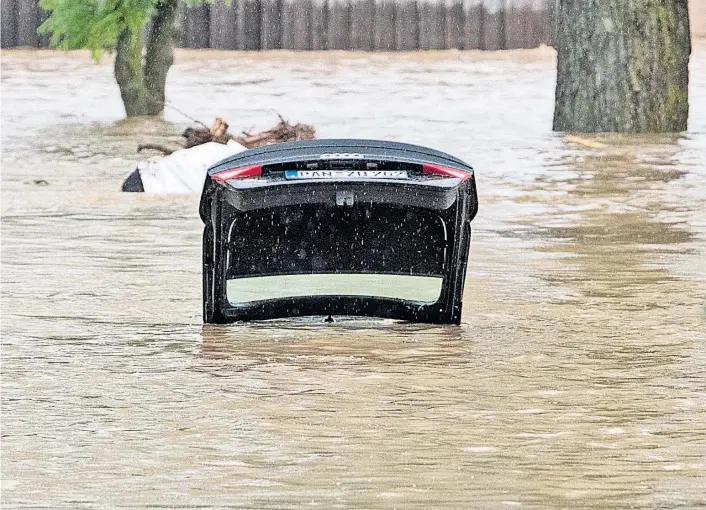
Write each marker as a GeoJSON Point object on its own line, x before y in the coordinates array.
{"type": "Point", "coordinates": [577, 380]}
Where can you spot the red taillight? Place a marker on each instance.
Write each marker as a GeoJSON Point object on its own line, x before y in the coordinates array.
{"type": "Point", "coordinates": [238, 173]}
{"type": "Point", "coordinates": [444, 171]}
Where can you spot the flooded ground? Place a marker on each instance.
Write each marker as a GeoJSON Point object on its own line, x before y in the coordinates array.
{"type": "Point", "coordinates": [578, 377]}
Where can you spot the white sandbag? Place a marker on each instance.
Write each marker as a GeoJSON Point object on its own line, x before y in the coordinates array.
{"type": "Point", "coordinates": [184, 171]}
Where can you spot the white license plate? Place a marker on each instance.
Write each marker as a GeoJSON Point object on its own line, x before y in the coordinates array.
{"type": "Point", "coordinates": [345, 174]}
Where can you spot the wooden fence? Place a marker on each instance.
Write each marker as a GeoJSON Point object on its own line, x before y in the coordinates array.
{"type": "Point", "coordinates": [365, 25]}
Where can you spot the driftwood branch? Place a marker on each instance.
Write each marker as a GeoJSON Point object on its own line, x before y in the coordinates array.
{"type": "Point", "coordinates": [155, 147]}
{"type": "Point", "coordinates": [199, 134]}
{"type": "Point", "coordinates": [282, 132]}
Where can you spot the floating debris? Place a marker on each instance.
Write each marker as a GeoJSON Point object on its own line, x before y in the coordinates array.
{"type": "Point", "coordinates": [183, 171]}
{"type": "Point", "coordinates": [200, 134]}
{"type": "Point", "coordinates": [284, 131]}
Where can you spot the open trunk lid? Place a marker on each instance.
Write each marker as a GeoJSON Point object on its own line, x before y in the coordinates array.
{"type": "Point", "coordinates": [337, 227]}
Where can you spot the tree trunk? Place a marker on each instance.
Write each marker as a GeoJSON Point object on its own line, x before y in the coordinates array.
{"type": "Point", "coordinates": [160, 55]}
{"type": "Point", "coordinates": [141, 80]}
{"type": "Point", "coordinates": [622, 66]}
{"type": "Point", "coordinates": [129, 73]}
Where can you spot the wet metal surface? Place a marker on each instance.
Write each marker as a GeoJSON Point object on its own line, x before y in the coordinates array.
{"type": "Point", "coordinates": [578, 377]}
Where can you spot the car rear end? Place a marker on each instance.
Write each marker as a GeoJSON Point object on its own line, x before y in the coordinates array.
{"type": "Point", "coordinates": [337, 227]}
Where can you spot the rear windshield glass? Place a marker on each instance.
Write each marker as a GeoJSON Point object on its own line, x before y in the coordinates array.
{"type": "Point", "coordinates": [313, 250]}
{"type": "Point", "coordinates": [409, 288]}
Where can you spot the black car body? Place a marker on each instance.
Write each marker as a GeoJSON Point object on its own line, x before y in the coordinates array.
{"type": "Point", "coordinates": [337, 227]}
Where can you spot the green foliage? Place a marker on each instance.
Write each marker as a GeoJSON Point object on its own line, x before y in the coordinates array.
{"type": "Point", "coordinates": [94, 24]}
{"type": "Point", "coordinates": [97, 24]}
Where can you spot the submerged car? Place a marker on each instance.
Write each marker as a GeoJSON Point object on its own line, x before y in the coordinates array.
{"type": "Point", "coordinates": [337, 227]}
